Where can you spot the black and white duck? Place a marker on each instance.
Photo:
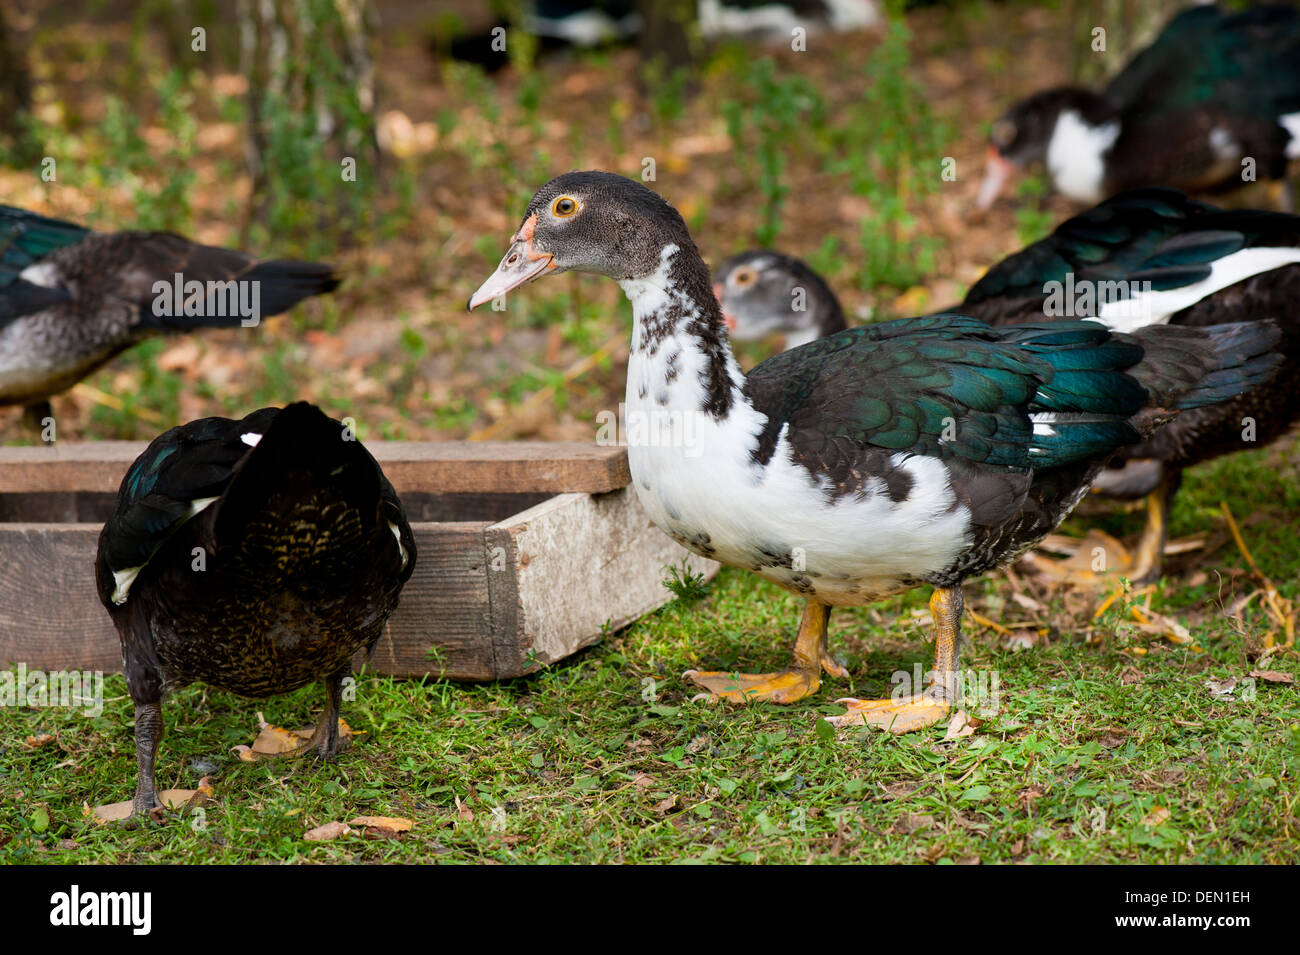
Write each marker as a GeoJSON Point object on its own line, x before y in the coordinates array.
{"type": "Point", "coordinates": [558, 25]}
{"type": "Point", "coordinates": [256, 556]}
{"type": "Point", "coordinates": [1153, 257]}
{"type": "Point", "coordinates": [881, 458]}
{"type": "Point", "coordinates": [1214, 97]}
{"type": "Point", "coordinates": [1205, 266]}
{"type": "Point", "coordinates": [71, 299]}
{"type": "Point", "coordinates": [764, 293]}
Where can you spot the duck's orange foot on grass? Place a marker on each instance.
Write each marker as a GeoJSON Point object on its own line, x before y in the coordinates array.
{"type": "Point", "coordinates": [903, 715]}
{"type": "Point", "coordinates": [786, 686]}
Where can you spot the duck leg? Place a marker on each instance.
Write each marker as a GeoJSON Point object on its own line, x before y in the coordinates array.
{"type": "Point", "coordinates": [326, 742]}
{"type": "Point", "coordinates": [786, 686]}
{"type": "Point", "coordinates": [148, 736]}
{"type": "Point", "coordinates": [918, 710]}
{"type": "Point", "coordinates": [1148, 558]}
{"type": "Point", "coordinates": [1099, 560]}
{"type": "Point", "coordinates": [35, 414]}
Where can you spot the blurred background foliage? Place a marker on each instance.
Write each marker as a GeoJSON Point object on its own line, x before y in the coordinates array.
{"type": "Point", "coordinates": [344, 130]}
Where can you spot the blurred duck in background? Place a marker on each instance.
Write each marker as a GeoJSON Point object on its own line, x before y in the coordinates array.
{"type": "Point", "coordinates": [765, 293]}
{"type": "Point", "coordinates": [558, 25]}
{"type": "Point", "coordinates": [1211, 105]}
{"type": "Point", "coordinates": [71, 299]}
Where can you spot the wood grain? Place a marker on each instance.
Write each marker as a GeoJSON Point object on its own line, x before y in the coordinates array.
{"type": "Point", "coordinates": [50, 615]}
{"type": "Point", "coordinates": [486, 601]}
{"type": "Point", "coordinates": [586, 565]}
{"type": "Point", "coordinates": [434, 467]}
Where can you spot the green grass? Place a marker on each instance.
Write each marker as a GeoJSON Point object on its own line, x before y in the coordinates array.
{"type": "Point", "coordinates": [605, 757]}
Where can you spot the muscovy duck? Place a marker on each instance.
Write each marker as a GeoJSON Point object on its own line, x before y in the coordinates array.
{"type": "Point", "coordinates": [71, 299]}
{"type": "Point", "coordinates": [563, 24]}
{"type": "Point", "coordinates": [256, 556]}
{"type": "Point", "coordinates": [1214, 89]}
{"type": "Point", "coordinates": [765, 293]}
{"type": "Point", "coordinates": [921, 451]}
{"type": "Point", "coordinates": [1205, 265]}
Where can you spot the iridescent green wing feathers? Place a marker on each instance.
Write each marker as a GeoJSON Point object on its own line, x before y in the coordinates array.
{"type": "Point", "coordinates": [950, 386]}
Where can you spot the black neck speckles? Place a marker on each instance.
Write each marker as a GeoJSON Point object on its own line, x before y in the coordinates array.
{"type": "Point", "coordinates": [689, 308]}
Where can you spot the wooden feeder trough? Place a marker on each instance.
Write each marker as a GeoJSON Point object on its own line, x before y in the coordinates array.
{"type": "Point", "coordinates": [528, 552]}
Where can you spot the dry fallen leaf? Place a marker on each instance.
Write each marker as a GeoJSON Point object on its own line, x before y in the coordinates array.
{"type": "Point", "coordinates": [391, 823]}
{"type": "Point", "coordinates": [277, 741]}
{"type": "Point", "coordinates": [664, 805]}
{"type": "Point", "coordinates": [1221, 688]}
{"type": "Point", "coordinates": [961, 725]}
{"type": "Point", "coordinates": [912, 822]}
{"type": "Point", "coordinates": [179, 357]}
{"type": "Point", "coordinates": [1155, 817]}
{"type": "Point", "coordinates": [1273, 676]}
{"type": "Point", "coordinates": [327, 832]}
{"type": "Point", "coordinates": [171, 798]}
{"type": "Point", "coordinates": [1161, 625]}
{"type": "Point", "coordinates": [1029, 603]}
{"type": "Point", "coordinates": [462, 809]}
{"type": "Point", "coordinates": [1019, 640]}
{"type": "Point", "coordinates": [39, 740]}
{"type": "Point", "coordinates": [643, 781]}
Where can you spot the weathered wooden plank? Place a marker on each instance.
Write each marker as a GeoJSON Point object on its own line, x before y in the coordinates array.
{"type": "Point", "coordinates": [61, 507]}
{"type": "Point", "coordinates": [491, 507]}
{"type": "Point", "coordinates": [435, 467]}
{"type": "Point", "coordinates": [92, 507]}
{"type": "Point", "coordinates": [441, 624]}
{"type": "Point", "coordinates": [51, 617]}
{"type": "Point", "coordinates": [501, 561]}
{"type": "Point", "coordinates": [486, 601]}
{"type": "Point", "coordinates": [585, 564]}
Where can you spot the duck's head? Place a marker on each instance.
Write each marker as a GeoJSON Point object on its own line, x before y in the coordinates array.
{"type": "Point", "coordinates": [763, 293]}
{"type": "Point", "coordinates": [588, 222]}
{"type": "Point", "coordinates": [1023, 133]}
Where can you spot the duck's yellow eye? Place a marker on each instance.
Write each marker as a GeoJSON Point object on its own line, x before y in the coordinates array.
{"type": "Point", "coordinates": [1003, 132]}
{"type": "Point", "coordinates": [564, 207]}
{"type": "Point", "coordinates": [743, 277]}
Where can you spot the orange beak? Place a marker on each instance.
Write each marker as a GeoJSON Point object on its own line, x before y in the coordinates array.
{"type": "Point", "coordinates": [997, 172]}
{"type": "Point", "coordinates": [728, 319]}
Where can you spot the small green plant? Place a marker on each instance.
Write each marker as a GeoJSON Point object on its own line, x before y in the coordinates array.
{"type": "Point", "coordinates": [159, 185]}
{"type": "Point", "coordinates": [158, 393]}
{"type": "Point", "coordinates": [1033, 220]}
{"type": "Point", "coordinates": [775, 113]}
{"type": "Point", "coordinates": [891, 148]}
{"type": "Point", "coordinates": [667, 91]}
{"type": "Point", "coordinates": [685, 584]}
